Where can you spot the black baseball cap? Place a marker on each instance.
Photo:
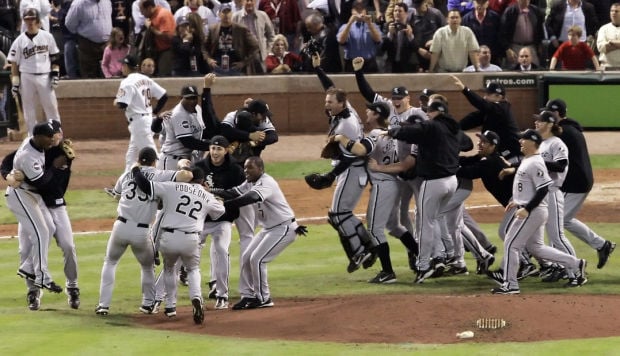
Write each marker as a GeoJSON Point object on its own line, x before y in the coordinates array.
{"type": "Point", "coordinates": [258, 106]}
{"type": "Point", "coordinates": [426, 93]}
{"type": "Point", "coordinates": [415, 119]}
{"type": "Point", "coordinates": [545, 116]}
{"type": "Point", "coordinates": [437, 106]}
{"type": "Point", "coordinates": [147, 156]}
{"type": "Point", "coordinates": [380, 108]}
{"type": "Point", "coordinates": [56, 125]}
{"type": "Point", "coordinates": [220, 140]}
{"type": "Point", "coordinates": [532, 135]}
{"type": "Point", "coordinates": [489, 136]}
{"type": "Point", "coordinates": [130, 60]}
{"type": "Point", "coordinates": [189, 91]}
{"type": "Point", "coordinates": [495, 88]}
{"type": "Point", "coordinates": [44, 129]}
{"type": "Point", "coordinates": [558, 105]}
{"type": "Point", "coordinates": [399, 92]}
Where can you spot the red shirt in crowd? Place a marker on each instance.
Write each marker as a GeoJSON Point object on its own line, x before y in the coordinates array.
{"type": "Point", "coordinates": [573, 57]}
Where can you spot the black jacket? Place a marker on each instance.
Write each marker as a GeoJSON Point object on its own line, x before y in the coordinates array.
{"type": "Point", "coordinates": [555, 20]}
{"type": "Point", "coordinates": [226, 176]}
{"type": "Point", "coordinates": [438, 146]}
{"type": "Point", "coordinates": [495, 117]}
{"type": "Point", "coordinates": [509, 24]}
{"type": "Point", "coordinates": [488, 168]}
{"type": "Point", "coordinates": [579, 178]}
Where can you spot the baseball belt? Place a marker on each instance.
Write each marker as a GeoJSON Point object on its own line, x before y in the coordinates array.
{"type": "Point", "coordinates": [124, 221]}
{"type": "Point", "coordinates": [167, 229]}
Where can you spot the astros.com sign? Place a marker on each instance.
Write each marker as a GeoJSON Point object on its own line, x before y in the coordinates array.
{"type": "Point", "coordinates": [512, 81]}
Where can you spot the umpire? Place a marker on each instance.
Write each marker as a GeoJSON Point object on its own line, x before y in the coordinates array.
{"type": "Point", "coordinates": [495, 114]}
{"type": "Point", "coordinates": [579, 181]}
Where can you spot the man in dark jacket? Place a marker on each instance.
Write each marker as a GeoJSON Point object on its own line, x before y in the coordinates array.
{"type": "Point", "coordinates": [437, 164]}
{"type": "Point", "coordinates": [578, 182]}
{"type": "Point", "coordinates": [513, 40]}
{"type": "Point", "coordinates": [557, 26]}
{"type": "Point", "coordinates": [493, 114]}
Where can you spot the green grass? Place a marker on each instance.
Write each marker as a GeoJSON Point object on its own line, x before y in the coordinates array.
{"type": "Point", "coordinates": [313, 265]}
{"type": "Point", "coordinates": [605, 161]}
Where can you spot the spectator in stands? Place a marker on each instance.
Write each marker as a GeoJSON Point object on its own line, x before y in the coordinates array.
{"type": "Point", "coordinates": [452, 45]}
{"type": "Point", "coordinates": [484, 58]}
{"type": "Point", "coordinates": [286, 19]}
{"type": "Point", "coordinates": [608, 40]}
{"type": "Point", "coordinates": [160, 28]}
{"type": "Point", "coordinates": [463, 7]}
{"type": "Point", "coordinates": [522, 26]}
{"type": "Point", "coordinates": [322, 38]}
{"type": "Point", "coordinates": [207, 14]}
{"type": "Point", "coordinates": [9, 15]}
{"type": "Point", "coordinates": [231, 47]}
{"type": "Point", "coordinates": [121, 16]}
{"type": "Point", "coordinates": [91, 22]}
{"type": "Point", "coordinates": [525, 61]}
{"type": "Point", "coordinates": [113, 54]}
{"type": "Point", "coordinates": [425, 20]}
{"type": "Point", "coordinates": [147, 67]}
{"type": "Point", "coordinates": [259, 24]}
{"type": "Point", "coordinates": [567, 13]}
{"type": "Point", "coordinates": [402, 49]}
{"type": "Point", "coordinates": [187, 49]}
{"type": "Point", "coordinates": [360, 37]}
{"type": "Point", "coordinates": [280, 60]}
{"type": "Point", "coordinates": [70, 50]}
{"type": "Point", "coordinates": [574, 54]}
{"type": "Point", "coordinates": [485, 23]}
{"type": "Point", "coordinates": [138, 18]}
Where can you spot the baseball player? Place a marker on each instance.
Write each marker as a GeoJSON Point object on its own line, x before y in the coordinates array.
{"type": "Point", "coordinates": [530, 187]}
{"type": "Point", "coordinates": [183, 130]}
{"type": "Point", "coordinates": [344, 120]}
{"type": "Point", "coordinates": [58, 159]}
{"type": "Point", "coordinates": [185, 207]}
{"type": "Point", "coordinates": [382, 207]}
{"type": "Point", "coordinates": [400, 110]}
{"type": "Point", "coordinates": [494, 113]}
{"type": "Point", "coordinates": [134, 97]}
{"type": "Point", "coordinates": [221, 172]}
{"type": "Point", "coordinates": [135, 213]}
{"type": "Point", "coordinates": [26, 203]}
{"type": "Point", "coordinates": [279, 229]}
{"type": "Point", "coordinates": [437, 162]}
{"type": "Point", "coordinates": [578, 182]}
{"type": "Point", "coordinates": [35, 65]}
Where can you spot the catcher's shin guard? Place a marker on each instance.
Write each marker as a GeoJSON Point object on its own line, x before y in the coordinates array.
{"type": "Point", "coordinates": [332, 219]}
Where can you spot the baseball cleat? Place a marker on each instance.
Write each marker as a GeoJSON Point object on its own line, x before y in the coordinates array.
{"type": "Point", "coordinates": [146, 309]}
{"type": "Point", "coordinates": [483, 266]}
{"type": "Point", "coordinates": [170, 312]}
{"type": "Point", "coordinates": [26, 275]}
{"type": "Point", "coordinates": [527, 270]}
{"type": "Point", "coordinates": [603, 253]}
{"type": "Point", "coordinates": [51, 286]}
{"type": "Point", "coordinates": [183, 276]}
{"type": "Point", "coordinates": [33, 298]}
{"type": "Point", "coordinates": [198, 313]}
{"type": "Point", "coordinates": [256, 303]}
{"type": "Point", "coordinates": [74, 297]}
{"type": "Point", "coordinates": [156, 306]}
{"type": "Point", "coordinates": [505, 290]}
{"type": "Point", "coordinates": [212, 290]}
{"type": "Point", "coordinates": [497, 276]}
{"type": "Point", "coordinates": [384, 278]}
{"type": "Point", "coordinates": [423, 275]}
{"type": "Point", "coordinates": [356, 261]}
{"type": "Point", "coordinates": [243, 303]}
{"type": "Point", "coordinates": [100, 310]}
{"type": "Point", "coordinates": [369, 259]}
{"type": "Point", "coordinates": [221, 303]}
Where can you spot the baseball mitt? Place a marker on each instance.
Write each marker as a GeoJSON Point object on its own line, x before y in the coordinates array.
{"type": "Point", "coordinates": [331, 150]}
{"type": "Point", "coordinates": [320, 181]}
{"type": "Point", "coordinates": [67, 146]}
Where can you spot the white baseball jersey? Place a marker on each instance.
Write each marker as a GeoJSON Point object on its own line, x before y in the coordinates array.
{"type": "Point", "coordinates": [265, 125]}
{"type": "Point", "coordinates": [396, 118]}
{"type": "Point", "coordinates": [136, 91]}
{"type": "Point", "coordinates": [33, 55]}
{"type": "Point", "coordinates": [182, 124]}
{"type": "Point", "coordinates": [350, 127]}
{"type": "Point", "coordinates": [31, 161]}
{"type": "Point", "coordinates": [383, 151]}
{"type": "Point", "coordinates": [531, 175]}
{"type": "Point", "coordinates": [553, 149]}
{"type": "Point", "coordinates": [185, 205]}
{"type": "Point", "coordinates": [272, 209]}
{"type": "Point", "coordinates": [134, 204]}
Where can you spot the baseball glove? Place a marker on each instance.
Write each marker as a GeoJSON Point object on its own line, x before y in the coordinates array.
{"type": "Point", "coordinates": [331, 150]}
{"type": "Point", "coordinates": [320, 181]}
{"type": "Point", "coordinates": [67, 146]}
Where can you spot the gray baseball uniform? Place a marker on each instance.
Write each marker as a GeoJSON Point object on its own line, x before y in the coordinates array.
{"type": "Point", "coordinates": [180, 124]}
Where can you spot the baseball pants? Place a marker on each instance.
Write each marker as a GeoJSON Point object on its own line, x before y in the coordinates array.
{"type": "Point", "coordinates": [221, 235]}
{"type": "Point", "coordinates": [185, 246]}
{"type": "Point", "coordinates": [37, 88]}
{"type": "Point", "coordinates": [140, 136]}
{"type": "Point", "coordinates": [35, 234]}
{"type": "Point", "coordinates": [555, 223]}
{"type": "Point", "coordinates": [266, 246]}
{"type": "Point", "coordinates": [476, 230]}
{"type": "Point", "coordinates": [246, 224]}
{"type": "Point", "coordinates": [434, 196]}
{"type": "Point", "coordinates": [572, 205]}
{"type": "Point", "coordinates": [64, 239]}
{"type": "Point", "coordinates": [383, 199]}
{"type": "Point", "coordinates": [125, 235]}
